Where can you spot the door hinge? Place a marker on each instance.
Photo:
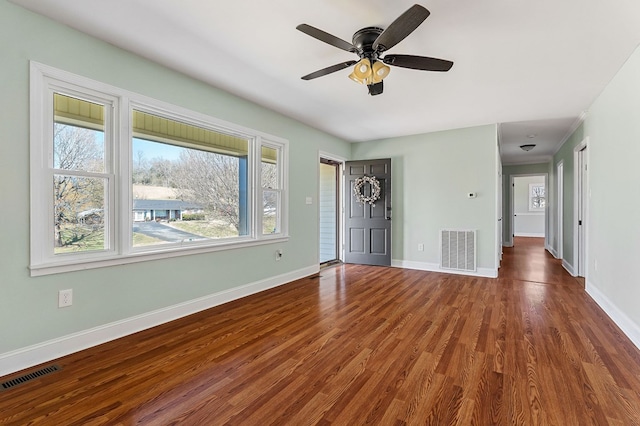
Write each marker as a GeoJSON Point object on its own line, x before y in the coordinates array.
{"type": "Point", "coordinates": [579, 223]}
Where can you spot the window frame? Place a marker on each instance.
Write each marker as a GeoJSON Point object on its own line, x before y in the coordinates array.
{"type": "Point", "coordinates": [119, 106]}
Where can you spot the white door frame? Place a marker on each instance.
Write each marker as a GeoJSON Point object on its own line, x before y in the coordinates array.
{"type": "Point", "coordinates": [340, 200]}
{"type": "Point", "coordinates": [560, 209]}
{"type": "Point", "coordinates": [499, 218]}
{"type": "Point", "coordinates": [512, 204]}
{"type": "Point", "coordinates": [580, 199]}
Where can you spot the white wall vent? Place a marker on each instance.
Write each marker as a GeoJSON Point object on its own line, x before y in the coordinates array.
{"type": "Point", "coordinates": [458, 249]}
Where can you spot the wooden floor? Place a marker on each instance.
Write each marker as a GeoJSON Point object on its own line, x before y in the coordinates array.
{"type": "Point", "coordinates": [362, 345]}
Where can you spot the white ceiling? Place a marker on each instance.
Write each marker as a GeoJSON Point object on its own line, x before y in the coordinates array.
{"type": "Point", "coordinates": [534, 66]}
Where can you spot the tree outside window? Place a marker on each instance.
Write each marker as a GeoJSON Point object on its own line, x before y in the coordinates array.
{"type": "Point", "coordinates": [536, 197]}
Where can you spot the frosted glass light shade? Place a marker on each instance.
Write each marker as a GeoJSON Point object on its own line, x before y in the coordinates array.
{"type": "Point", "coordinates": [379, 72]}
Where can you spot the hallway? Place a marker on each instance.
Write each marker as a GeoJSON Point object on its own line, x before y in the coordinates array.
{"type": "Point", "coordinates": [528, 260]}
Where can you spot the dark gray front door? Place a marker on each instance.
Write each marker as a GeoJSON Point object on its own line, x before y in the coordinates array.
{"type": "Point", "coordinates": [368, 226]}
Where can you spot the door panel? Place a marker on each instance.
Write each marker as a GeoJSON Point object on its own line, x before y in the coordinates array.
{"type": "Point", "coordinates": [378, 241]}
{"type": "Point", "coordinates": [357, 241]}
{"type": "Point", "coordinates": [368, 226]}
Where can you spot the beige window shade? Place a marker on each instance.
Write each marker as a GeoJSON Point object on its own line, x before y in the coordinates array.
{"type": "Point", "coordinates": [77, 112]}
{"type": "Point", "coordinates": [148, 126]}
{"type": "Point", "coordinates": [74, 112]}
{"type": "Point", "coordinates": [269, 155]}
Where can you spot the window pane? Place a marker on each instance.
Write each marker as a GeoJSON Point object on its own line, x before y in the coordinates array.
{"type": "Point", "coordinates": [79, 213]}
{"type": "Point", "coordinates": [185, 190]}
{"type": "Point", "coordinates": [537, 196]}
{"type": "Point", "coordinates": [270, 190]}
{"type": "Point", "coordinates": [271, 212]}
{"type": "Point", "coordinates": [78, 135]}
{"type": "Point", "coordinates": [270, 168]}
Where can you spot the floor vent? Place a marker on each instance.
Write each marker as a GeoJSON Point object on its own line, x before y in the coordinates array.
{"type": "Point", "coordinates": [28, 377]}
{"type": "Point", "coordinates": [458, 249]}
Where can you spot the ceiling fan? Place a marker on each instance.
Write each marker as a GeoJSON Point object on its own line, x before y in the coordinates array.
{"type": "Point", "coordinates": [371, 43]}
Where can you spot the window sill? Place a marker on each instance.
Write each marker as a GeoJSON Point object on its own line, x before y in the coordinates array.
{"type": "Point", "coordinates": [37, 270]}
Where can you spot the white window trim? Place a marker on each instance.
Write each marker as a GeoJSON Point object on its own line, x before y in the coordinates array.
{"type": "Point", "coordinates": [42, 262]}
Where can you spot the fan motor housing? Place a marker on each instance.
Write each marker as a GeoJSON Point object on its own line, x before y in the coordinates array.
{"type": "Point", "coordinates": [363, 40]}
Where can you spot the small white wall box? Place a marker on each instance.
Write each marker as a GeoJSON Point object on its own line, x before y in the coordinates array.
{"type": "Point", "coordinates": [472, 194]}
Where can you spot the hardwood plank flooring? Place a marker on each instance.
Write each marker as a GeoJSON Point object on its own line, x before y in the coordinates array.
{"type": "Point", "coordinates": [362, 345]}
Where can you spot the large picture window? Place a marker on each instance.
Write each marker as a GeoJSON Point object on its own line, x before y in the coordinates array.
{"type": "Point", "coordinates": [189, 183]}
{"type": "Point", "coordinates": [123, 178]}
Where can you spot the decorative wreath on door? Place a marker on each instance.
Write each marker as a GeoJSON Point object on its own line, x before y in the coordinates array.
{"type": "Point", "coordinates": [375, 190]}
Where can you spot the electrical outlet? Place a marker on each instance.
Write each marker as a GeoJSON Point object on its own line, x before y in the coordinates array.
{"type": "Point", "coordinates": [65, 298]}
{"type": "Point", "coordinates": [278, 255]}
{"type": "Point", "coordinates": [420, 247]}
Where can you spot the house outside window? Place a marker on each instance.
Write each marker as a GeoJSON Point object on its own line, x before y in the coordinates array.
{"type": "Point", "coordinates": [124, 178]}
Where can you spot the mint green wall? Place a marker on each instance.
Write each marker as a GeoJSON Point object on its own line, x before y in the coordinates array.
{"type": "Point", "coordinates": [565, 154]}
{"type": "Point", "coordinates": [507, 172]}
{"type": "Point", "coordinates": [432, 174]}
{"type": "Point", "coordinates": [28, 306]}
{"type": "Point", "coordinates": [613, 129]}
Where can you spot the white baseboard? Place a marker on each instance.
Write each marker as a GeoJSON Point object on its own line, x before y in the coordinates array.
{"type": "Point", "coordinates": [553, 251]}
{"type": "Point", "coordinates": [29, 356]}
{"type": "Point", "coordinates": [626, 324]}
{"type": "Point", "coordinates": [434, 267]}
{"type": "Point", "coordinates": [569, 267]}
{"type": "Point", "coordinates": [524, 234]}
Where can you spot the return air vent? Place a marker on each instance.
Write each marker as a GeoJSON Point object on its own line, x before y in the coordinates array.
{"type": "Point", "coordinates": [28, 377]}
{"type": "Point", "coordinates": [458, 249]}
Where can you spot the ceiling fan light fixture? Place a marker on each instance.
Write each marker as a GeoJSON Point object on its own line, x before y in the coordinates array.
{"type": "Point", "coordinates": [366, 73]}
{"type": "Point", "coordinates": [527, 147]}
{"type": "Point", "coordinates": [353, 77]}
{"type": "Point", "coordinates": [361, 72]}
{"type": "Point", "coordinates": [380, 71]}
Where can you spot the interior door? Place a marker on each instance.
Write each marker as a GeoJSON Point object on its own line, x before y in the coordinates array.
{"type": "Point", "coordinates": [367, 235]}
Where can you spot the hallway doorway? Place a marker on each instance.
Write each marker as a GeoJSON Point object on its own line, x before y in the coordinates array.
{"type": "Point", "coordinates": [529, 207]}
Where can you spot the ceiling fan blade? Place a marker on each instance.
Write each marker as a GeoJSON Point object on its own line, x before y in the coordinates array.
{"type": "Point", "coordinates": [326, 37]}
{"type": "Point", "coordinates": [404, 25]}
{"type": "Point", "coordinates": [418, 62]}
{"type": "Point", "coordinates": [329, 70]}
